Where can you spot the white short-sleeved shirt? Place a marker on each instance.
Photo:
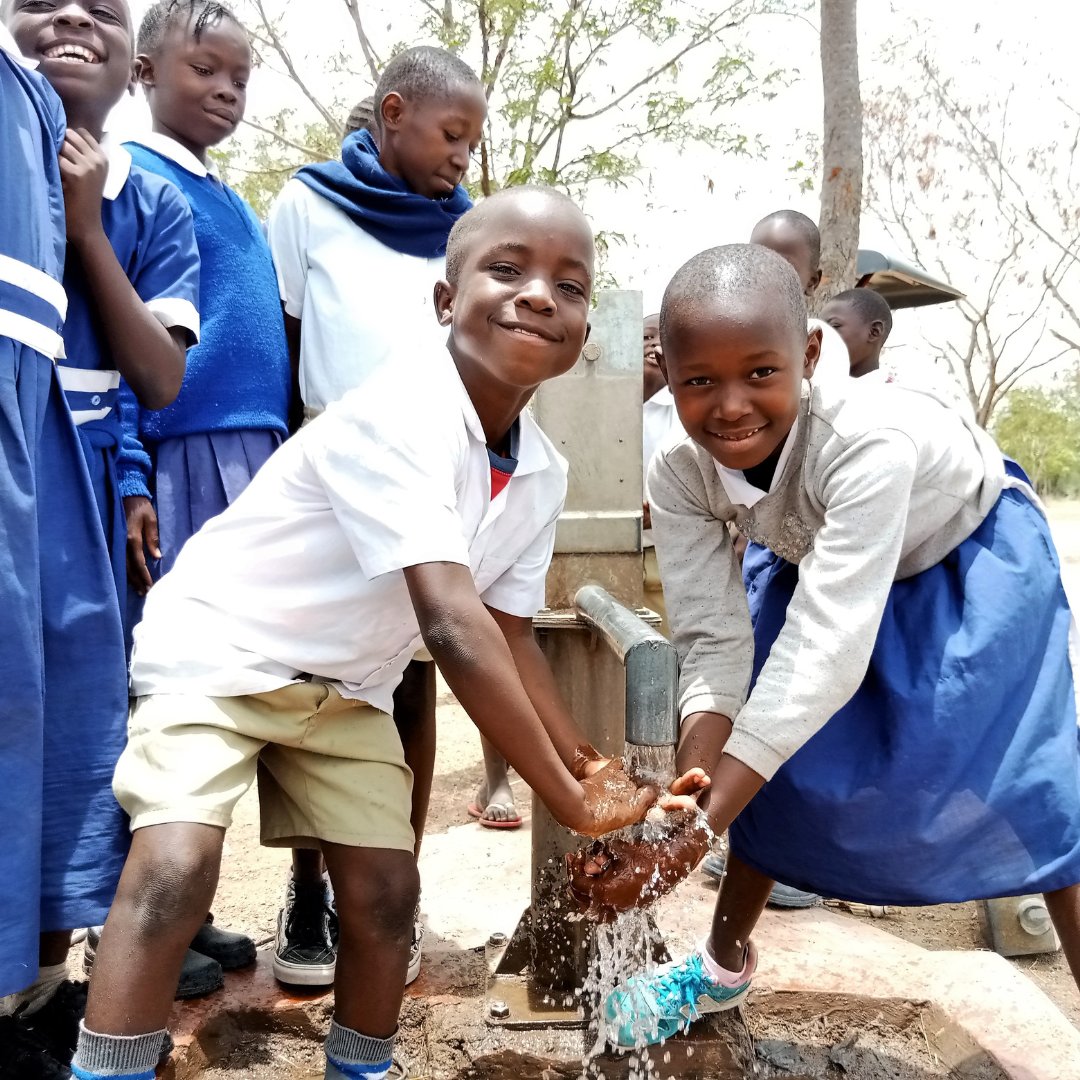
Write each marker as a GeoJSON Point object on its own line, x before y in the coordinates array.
{"type": "Point", "coordinates": [659, 423]}
{"type": "Point", "coordinates": [835, 360]}
{"type": "Point", "coordinates": [302, 574]}
{"type": "Point", "coordinates": [358, 299]}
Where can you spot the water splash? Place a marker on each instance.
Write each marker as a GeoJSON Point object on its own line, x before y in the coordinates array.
{"type": "Point", "coordinates": [628, 947]}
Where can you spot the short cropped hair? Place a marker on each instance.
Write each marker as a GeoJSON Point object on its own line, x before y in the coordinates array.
{"type": "Point", "coordinates": [868, 305]}
{"type": "Point", "coordinates": [728, 274]}
{"type": "Point", "coordinates": [803, 225]}
{"type": "Point", "coordinates": [166, 13]}
{"type": "Point", "coordinates": [361, 116]}
{"type": "Point", "coordinates": [457, 246]}
{"type": "Point", "coordinates": [420, 74]}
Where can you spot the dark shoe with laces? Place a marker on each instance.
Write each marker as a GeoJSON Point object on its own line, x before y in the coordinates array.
{"type": "Point", "coordinates": [22, 1057]}
{"type": "Point", "coordinates": [55, 1026]}
{"type": "Point", "coordinates": [230, 949]}
{"type": "Point", "coordinates": [198, 977]}
{"type": "Point", "coordinates": [307, 935]}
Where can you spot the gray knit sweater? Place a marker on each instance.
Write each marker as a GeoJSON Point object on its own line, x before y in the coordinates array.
{"type": "Point", "coordinates": [879, 483]}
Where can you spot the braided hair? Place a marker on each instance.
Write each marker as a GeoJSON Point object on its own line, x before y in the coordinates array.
{"type": "Point", "coordinates": [166, 13]}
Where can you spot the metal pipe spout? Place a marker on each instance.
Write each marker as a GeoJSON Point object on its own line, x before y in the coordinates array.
{"type": "Point", "coordinates": [650, 661]}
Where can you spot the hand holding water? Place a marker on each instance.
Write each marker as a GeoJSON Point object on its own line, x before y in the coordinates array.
{"type": "Point", "coordinates": [617, 874]}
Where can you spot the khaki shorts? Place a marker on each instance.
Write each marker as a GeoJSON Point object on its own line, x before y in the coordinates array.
{"type": "Point", "coordinates": [329, 768]}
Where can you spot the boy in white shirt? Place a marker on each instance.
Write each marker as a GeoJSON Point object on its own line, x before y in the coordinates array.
{"type": "Point", "coordinates": [279, 636]}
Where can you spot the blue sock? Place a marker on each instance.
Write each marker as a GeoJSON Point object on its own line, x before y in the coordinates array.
{"type": "Point", "coordinates": [352, 1056]}
{"type": "Point", "coordinates": [116, 1057]}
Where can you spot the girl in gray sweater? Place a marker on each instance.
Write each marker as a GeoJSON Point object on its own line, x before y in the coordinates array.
{"type": "Point", "coordinates": [888, 710]}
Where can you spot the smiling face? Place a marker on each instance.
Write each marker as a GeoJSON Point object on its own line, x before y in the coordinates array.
{"type": "Point", "coordinates": [428, 142]}
{"type": "Point", "coordinates": [197, 89]}
{"type": "Point", "coordinates": [653, 380]}
{"type": "Point", "coordinates": [736, 372]}
{"type": "Point", "coordinates": [83, 48]}
{"type": "Point", "coordinates": [519, 308]}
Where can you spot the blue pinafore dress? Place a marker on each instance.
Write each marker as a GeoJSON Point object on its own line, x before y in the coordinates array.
{"type": "Point", "coordinates": [61, 660]}
{"type": "Point", "coordinates": [954, 772]}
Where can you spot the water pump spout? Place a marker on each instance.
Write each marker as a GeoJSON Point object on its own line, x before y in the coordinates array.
{"type": "Point", "coordinates": [651, 665]}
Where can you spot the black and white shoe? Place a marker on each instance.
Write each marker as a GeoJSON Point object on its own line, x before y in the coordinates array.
{"type": "Point", "coordinates": [305, 953]}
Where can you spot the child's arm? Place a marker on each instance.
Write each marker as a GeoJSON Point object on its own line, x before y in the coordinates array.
{"type": "Point", "coordinates": [133, 477]}
{"type": "Point", "coordinates": [150, 357]}
{"type": "Point", "coordinates": [479, 667]}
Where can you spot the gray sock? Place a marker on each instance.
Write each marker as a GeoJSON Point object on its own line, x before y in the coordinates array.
{"type": "Point", "coordinates": [117, 1055]}
{"type": "Point", "coordinates": [350, 1054]}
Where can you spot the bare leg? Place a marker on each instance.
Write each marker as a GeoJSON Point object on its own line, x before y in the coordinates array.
{"type": "Point", "coordinates": [307, 866]}
{"type": "Point", "coordinates": [1064, 908]}
{"type": "Point", "coordinates": [376, 891]}
{"type": "Point", "coordinates": [164, 894]}
{"type": "Point", "coordinates": [495, 797]}
{"type": "Point", "coordinates": [739, 905]}
{"type": "Point", "coordinates": [414, 714]}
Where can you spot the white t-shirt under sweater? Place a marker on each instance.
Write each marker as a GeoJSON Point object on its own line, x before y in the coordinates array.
{"type": "Point", "coordinates": [358, 300]}
{"type": "Point", "coordinates": [877, 483]}
{"type": "Point", "coordinates": [302, 574]}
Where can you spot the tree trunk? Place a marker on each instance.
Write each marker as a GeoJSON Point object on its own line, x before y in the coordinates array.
{"type": "Point", "coordinates": [842, 160]}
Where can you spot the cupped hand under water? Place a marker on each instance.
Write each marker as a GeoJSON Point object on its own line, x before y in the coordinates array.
{"type": "Point", "coordinates": [615, 875]}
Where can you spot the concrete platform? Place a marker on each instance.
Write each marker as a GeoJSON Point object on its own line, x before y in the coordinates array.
{"type": "Point", "coordinates": [476, 882]}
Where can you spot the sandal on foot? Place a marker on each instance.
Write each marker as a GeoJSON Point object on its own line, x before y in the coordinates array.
{"type": "Point", "coordinates": [475, 812]}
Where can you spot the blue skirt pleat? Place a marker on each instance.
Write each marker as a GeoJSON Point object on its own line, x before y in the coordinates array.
{"type": "Point", "coordinates": [954, 772]}
{"type": "Point", "coordinates": [25, 378]}
{"type": "Point", "coordinates": [197, 476]}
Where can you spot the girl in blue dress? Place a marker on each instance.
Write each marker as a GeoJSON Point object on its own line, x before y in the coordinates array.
{"type": "Point", "coordinates": [903, 729]}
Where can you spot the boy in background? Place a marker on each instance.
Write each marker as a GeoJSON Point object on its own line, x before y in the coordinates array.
{"type": "Point", "coordinates": [359, 246]}
{"type": "Point", "coordinates": [864, 320]}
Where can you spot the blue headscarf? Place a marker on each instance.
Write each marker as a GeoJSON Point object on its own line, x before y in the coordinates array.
{"type": "Point", "coordinates": [384, 205]}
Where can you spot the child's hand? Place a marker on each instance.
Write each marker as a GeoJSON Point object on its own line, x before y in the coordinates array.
{"type": "Point", "coordinates": [83, 171]}
{"type": "Point", "coordinates": [614, 799]}
{"type": "Point", "coordinates": [646, 516]}
{"type": "Point", "coordinates": [618, 875]}
{"type": "Point", "coordinates": [142, 537]}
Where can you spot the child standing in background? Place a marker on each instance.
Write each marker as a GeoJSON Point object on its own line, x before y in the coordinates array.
{"type": "Point", "coordinates": [185, 464]}
{"type": "Point", "coordinates": [863, 319]}
{"type": "Point", "coordinates": [359, 246]}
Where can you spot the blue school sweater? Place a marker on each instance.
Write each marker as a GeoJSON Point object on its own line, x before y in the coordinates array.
{"type": "Point", "coordinates": [238, 376]}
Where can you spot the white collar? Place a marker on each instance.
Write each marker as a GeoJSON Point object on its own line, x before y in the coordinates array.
{"type": "Point", "coordinates": [170, 148]}
{"type": "Point", "coordinates": [7, 43]}
{"type": "Point", "coordinates": [532, 454]}
{"type": "Point", "coordinates": [663, 398]}
{"type": "Point", "coordinates": [119, 167]}
{"type": "Point", "coordinates": [739, 490]}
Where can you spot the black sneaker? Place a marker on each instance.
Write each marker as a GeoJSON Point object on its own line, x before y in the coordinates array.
{"type": "Point", "coordinates": [22, 1057]}
{"type": "Point", "coordinates": [55, 1026]}
{"type": "Point", "coordinates": [305, 953]}
{"type": "Point", "coordinates": [198, 977]}
{"type": "Point", "coordinates": [230, 949]}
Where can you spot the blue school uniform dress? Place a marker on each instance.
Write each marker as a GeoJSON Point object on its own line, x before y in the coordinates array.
{"type": "Point", "coordinates": [196, 456]}
{"type": "Point", "coordinates": [149, 227]}
{"type": "Point", "coordinates": [952, 774]}
{"type": "Point", "coordinates": [62, 660]}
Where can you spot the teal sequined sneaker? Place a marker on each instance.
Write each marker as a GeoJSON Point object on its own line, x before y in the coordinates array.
{"type": "Point", "coordinates": [656, 1006]}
